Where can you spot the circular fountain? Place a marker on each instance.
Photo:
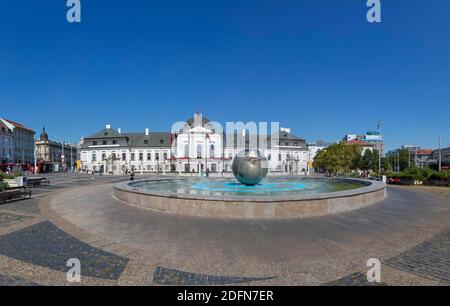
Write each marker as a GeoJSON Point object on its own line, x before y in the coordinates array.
{"type": "Point", "coordinates": [288, 197]}
{"type": "Point", "coordinates": [251, 197]}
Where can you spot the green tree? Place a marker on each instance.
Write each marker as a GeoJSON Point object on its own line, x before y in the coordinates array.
{"type": "Point", "coordinates": [338, 158]}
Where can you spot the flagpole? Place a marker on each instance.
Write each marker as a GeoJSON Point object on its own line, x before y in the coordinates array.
{"type": "Point", "coordinates": [189, 151]}
{"type": "Point", "coordinates": [206, 155]}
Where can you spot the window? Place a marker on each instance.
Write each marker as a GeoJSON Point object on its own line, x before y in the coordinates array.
{"type": "Point", "coordinates": [104, 142]}
{"type": "Point", "coordinates": [269, 157]}
{"type": "Point", "coordinates": [94, 143]}
{"type": "Point", "coordinates": [114, 156]}
{"type": "Point", "coordinates": [114, 141]}
{"type": "Point", "coordinates": [141, 156]}
{"type": "Point", "coordinates": [186, 150]}
{"type": "Point", "coordinates": [132, 156]}
{"type": "Point", "coordinates": [279, 157]}
{"type": "Point", "coordinates": [124, 156]}
{"type": "Point", "coordinates": [199, 151]}
{"type": "Point", "coordinates": [94, 157]}
{"type": "Point", "coordinates": [103, 156]}
{"type": "Point", "coordinates": [149, 156]}
{"type": "Point", "coordinates": [165, 155]}
{"type": "Point", "coordinates": [161, 141]}
{"type": "Point", "coordinates": [145, 141]}
{"type": "Point", "coordinates": [211, 151]}
{"type": "Point", "coordinates": [156, 156]}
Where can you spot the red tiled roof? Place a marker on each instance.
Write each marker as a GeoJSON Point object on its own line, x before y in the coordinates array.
{"type": "Point", "coordinates": [359, 143]}
{"type": "Point", "coordinates": [425, 152]}
{"type": "Point", "coordinates": [20, 126]}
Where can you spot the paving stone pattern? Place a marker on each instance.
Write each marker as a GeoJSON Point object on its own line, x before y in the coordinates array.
{"type": "Point", "coordinates": [7, 219]}
{"type": "Point", "coordinates": [46, 245]}
{"type": "Point", "coordinates": [15, 281]}
{"type": "Point", "coordinates": [430, 259]}
{"type": "Point", "coordinates": [165, 276]}
{"type": "Point", "coordinates": [355, 279]}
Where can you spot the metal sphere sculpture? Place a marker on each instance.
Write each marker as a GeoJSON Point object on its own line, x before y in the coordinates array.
{"type": "Point", "coordinates": [249, 167]}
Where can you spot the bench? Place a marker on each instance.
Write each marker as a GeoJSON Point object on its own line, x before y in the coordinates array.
{"type": "Point", "coordinates": [37, 181]}
{"type": "Point", "coordinates": [13, 193]}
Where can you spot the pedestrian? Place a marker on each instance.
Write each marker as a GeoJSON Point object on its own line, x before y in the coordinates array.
{"type": "Point", "coordinates": [132, 175]}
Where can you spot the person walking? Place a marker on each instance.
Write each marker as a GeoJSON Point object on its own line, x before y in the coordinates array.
{"type": "Point", "coordinates": [132, 175]}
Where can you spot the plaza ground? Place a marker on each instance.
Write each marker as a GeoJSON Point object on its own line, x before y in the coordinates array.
{"type": "Point", "coordinates": [77, 217]}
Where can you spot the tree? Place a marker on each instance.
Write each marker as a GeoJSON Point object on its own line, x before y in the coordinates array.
{"type": "Point", "coordinates": [338, 158]}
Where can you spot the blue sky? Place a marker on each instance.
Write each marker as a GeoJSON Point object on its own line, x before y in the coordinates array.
{"type": "Point", "coordinates": [316, 66]}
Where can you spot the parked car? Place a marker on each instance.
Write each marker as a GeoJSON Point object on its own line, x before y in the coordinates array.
{"type": "Point", "coordinates": [394, 180]}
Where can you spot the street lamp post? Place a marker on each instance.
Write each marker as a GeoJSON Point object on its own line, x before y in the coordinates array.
{"type": "Point", "coordinates": [379, 147]}
{"type": "Point", "coordinates": [440, 156]}
{"type": "Point", "coordinates": [35, 158]}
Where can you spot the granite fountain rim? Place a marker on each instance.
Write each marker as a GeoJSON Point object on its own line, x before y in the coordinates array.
{"type": "Point", "coordinates": [367, 186]}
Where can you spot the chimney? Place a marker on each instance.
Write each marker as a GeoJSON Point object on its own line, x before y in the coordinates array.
{"type": "Point", "coordinates": [108, 126]}
{"type": "Point", "coordinates": [146, 132]}
{"type": "Point", "coordinates": [119, 130]}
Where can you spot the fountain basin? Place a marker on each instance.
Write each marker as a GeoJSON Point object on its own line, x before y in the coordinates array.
{"type": "Point", "coordinates": [284, 198]}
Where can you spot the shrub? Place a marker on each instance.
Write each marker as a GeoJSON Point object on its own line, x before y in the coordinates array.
{"type": "Point", "coordinates": [8, 176]}
{"type": "Point", "coordinates": [419, 174]}
{"type": "Point", "coordinates": [3, 185]}
{"type": "Point", "coordinates": [440, 176]}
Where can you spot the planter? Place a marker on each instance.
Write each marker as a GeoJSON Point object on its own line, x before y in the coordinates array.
{"type": "Point", "coordinates": [11, 182]}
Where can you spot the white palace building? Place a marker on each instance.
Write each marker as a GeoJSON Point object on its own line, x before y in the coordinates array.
{"type": "Point", "coordinates": [195, 146]}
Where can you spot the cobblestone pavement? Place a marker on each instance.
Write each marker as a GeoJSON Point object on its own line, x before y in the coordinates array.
{"type": "Point", "coordinates": [27, 206]}
{"type": "Point", "coordinates": [46, 245]}
{"type": "Point", "coordinates": [355, 279]}
{"type": "Point", "coordinates": [429, 259]}
{"type": "Point", "coordinates": [77, 217]}
{"type": "Point", "coordinates": [7, 219]}
{"type": "Point", "coordinates": [15, 281]}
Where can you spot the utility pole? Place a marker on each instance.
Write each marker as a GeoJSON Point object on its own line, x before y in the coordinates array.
{"type": "Point", "coordinates": [71, 161]}
{"type": "Point", "coordinates": [415, 157]}
{"type": "Point", "coordinates": [62, 156]}
{"type": "Point", "coordinates": [35, 157]}
{"type": "Point", "coordinates": [440, 156]}
{"type": "Point", "coordinates": [409, 157]}
{"type": "Point", "coordinates": [379, 148]}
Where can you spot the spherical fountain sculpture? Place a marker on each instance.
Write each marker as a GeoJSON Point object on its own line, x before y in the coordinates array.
{"type": "Point", "coordinates": [249, 167]}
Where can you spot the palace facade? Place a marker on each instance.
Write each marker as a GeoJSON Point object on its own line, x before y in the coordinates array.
{"type": "Point", "coordinates": [196, 146]}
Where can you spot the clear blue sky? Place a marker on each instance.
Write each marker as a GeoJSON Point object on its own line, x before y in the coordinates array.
{"type": "Point", "coordinates": [316, 66]}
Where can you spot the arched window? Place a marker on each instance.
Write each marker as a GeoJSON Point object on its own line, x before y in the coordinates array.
{"type": "Point", "coordinates": [199, 151]}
